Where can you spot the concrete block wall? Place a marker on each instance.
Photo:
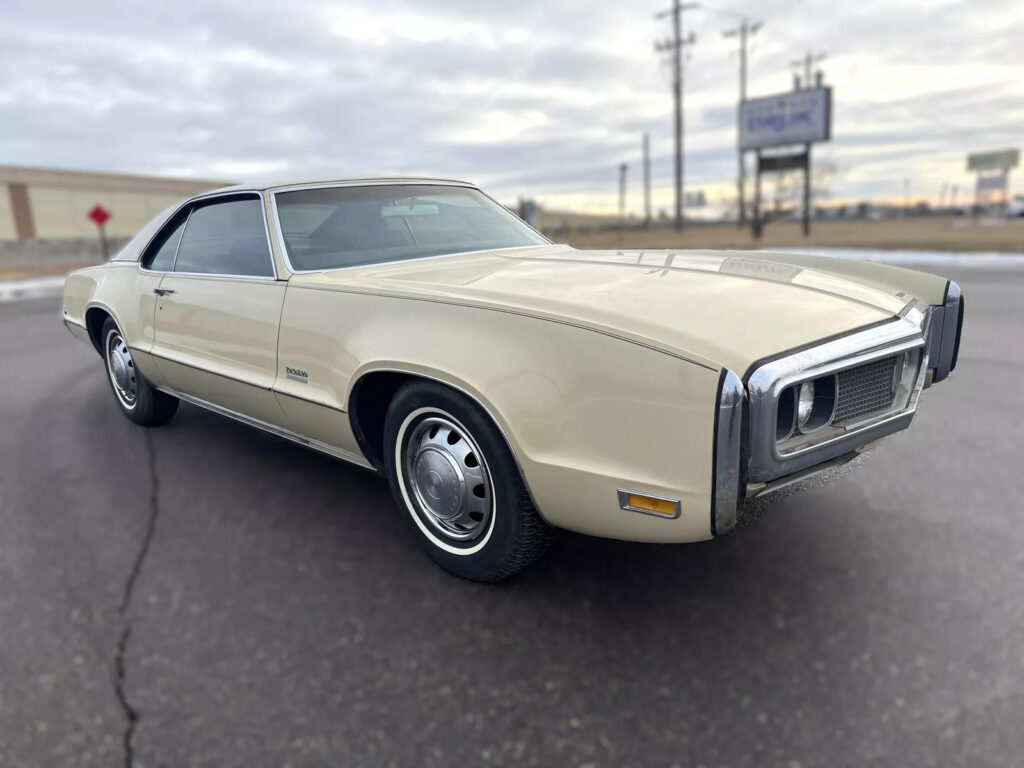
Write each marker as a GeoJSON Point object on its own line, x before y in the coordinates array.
{"type": "Point", "coordinates": [75, 250]}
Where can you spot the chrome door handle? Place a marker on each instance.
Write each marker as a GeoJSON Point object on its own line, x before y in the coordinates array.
{"type": "Point", "coordinates": [163, 291]}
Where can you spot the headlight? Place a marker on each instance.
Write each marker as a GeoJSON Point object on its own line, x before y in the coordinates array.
{"type": "Point", "coordinates": [806, 408]}
{"type": "Point", "coordinates": [805, 403]}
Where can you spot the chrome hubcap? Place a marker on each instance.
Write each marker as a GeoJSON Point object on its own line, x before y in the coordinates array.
{"type": "Point", "coordinates": [449, 478]}
{"type": "Point", "coordinates": [122, 369]}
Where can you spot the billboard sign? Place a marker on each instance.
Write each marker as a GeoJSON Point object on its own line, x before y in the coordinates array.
{"type": "Point", "coordinates": [1002, 160]}
{"type": "Point", "coordinates": [798, 117]}
{"type": "Point", "coordinates": [995, 183]}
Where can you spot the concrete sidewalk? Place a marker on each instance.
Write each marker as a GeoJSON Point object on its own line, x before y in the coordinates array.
{"type": "Point", "coordinates": [33, 288]}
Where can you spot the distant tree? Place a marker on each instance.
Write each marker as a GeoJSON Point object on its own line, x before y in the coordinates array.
{"type": "Point", "coordinates": [786, 189]}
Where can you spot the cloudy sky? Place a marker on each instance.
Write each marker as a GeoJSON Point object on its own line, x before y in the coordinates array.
{"type": "Point", "coordinates": [536, 97]}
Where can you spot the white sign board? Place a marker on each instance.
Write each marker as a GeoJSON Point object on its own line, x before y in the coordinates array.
{"type": "Point", "coordinates": [992, 183]}
{"type": "Point", "coordinates": [798, 117]}
{"type": "Point", "coordinates": [1002, 160]}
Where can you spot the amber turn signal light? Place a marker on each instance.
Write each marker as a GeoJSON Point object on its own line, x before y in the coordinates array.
{"type": "Point", "coordinates": [649, 505]}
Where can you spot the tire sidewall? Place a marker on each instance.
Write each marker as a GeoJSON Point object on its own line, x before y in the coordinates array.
{"type": "Point", "coordinates": [402, 436]}
{"type": "Point", "coordinates": [484, 557]}
{"type": "Point", "coordinates": [151, 407]}
{"type": "Point", "coordinates": [109, 330]}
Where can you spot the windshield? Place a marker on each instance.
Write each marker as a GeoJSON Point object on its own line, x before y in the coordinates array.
{"type": "Point", "coordinates": [334, 227]}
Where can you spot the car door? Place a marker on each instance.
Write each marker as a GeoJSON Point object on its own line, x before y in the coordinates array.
{"type": "Point", "coordinates": [218, 309]}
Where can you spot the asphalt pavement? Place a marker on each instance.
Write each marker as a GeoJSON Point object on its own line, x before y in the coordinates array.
{"type": "Point", "coordinates": [207, 595]}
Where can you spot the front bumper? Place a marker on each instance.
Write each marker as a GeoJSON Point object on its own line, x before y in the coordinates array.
{"type": "Point", "coordinates": [747, 459]}
{"type": "Point", "coordinates": [907, 333]}
{"type": "Point", "coordinates": [947, 323]}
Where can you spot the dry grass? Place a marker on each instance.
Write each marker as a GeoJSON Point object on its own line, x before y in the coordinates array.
{"type": "Point", "coordinates": [932, 234]}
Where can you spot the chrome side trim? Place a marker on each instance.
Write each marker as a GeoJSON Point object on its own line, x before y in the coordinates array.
{"type": "Point", "coordinates": [381, 182]}
{"type": "Point", "coordinates": [177, 246]}
{"type": "Point", "coordinates": [728, 440]}
{"type": "Point", "coordinates": [216, 276]}
{"type": "Point", "coordinates": [768, 381]}
{"type": "Point", "coordinates": [624, 504]}
{"type": "Point", "coordinates": [316, 445]}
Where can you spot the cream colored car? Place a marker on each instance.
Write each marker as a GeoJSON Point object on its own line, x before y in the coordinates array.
{"type": "Point", "coordinates": [507, 386]}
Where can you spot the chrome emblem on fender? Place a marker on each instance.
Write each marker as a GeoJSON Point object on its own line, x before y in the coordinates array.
{"type": "Point", "coordinates": [296, 374]}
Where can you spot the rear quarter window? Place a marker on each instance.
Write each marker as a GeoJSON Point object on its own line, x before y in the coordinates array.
{"type": "Point", "coordinates": [159, 255]}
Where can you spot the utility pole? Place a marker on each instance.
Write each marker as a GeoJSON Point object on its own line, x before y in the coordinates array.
{"type": "Point", "coordinates": [807, 192]}
{"type": "Point", "coordinates": [743, 31]}
{"type": "Point", "coordinates": [647, 180]}
{"type": "Point", "coordinates": [807, 62]}
{"type": "Point", "coordinates": [675, 47]}
{"type": "Point", "coordinates": [622, 197]}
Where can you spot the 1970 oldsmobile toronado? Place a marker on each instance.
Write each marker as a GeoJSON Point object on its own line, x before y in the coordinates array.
{"type": "Point", "coordinates": [507, 386]}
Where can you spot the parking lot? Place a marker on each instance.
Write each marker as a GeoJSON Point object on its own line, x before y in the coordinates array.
{"type": "Point", "coordinates": [205, 594]}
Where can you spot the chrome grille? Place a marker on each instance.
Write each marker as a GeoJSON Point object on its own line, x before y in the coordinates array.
{"type": "Point", "coordinates": [866, 390]}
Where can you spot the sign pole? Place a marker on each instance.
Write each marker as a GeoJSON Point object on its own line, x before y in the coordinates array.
{"type": "Point", "coordinates": [647, 180]}
{"type": "Point", "coordinates": [622, 197]}
{"type": "Point", "coordinates": [103, 242]}
{"type": "Point", "coordinates": [807, 191]}
{"type": "Point", "coordinates": [99, 216]}
{"type": "Point", "coordinates": [755, 221]}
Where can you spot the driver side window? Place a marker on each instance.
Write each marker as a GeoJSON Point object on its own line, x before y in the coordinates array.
{"type": "Point", "coordinates": [226, 236]}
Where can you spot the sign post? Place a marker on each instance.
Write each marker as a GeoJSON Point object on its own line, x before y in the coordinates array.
{"type": "Point", "coordinates": [100, 216]}
{"type": "Point", "coordinates": [801, 117]}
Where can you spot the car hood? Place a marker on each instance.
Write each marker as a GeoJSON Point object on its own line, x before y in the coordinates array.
{"type": "Point", "coordinates": [715, 308]}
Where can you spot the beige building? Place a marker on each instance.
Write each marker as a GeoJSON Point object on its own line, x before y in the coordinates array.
{"type": "Point", "coordinates": [38, 203]}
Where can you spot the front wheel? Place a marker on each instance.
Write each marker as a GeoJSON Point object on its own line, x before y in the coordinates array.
{"type": "Point", "coordinates": [452, 473]}
{"type": "Point", "coordinates": [139, 400]}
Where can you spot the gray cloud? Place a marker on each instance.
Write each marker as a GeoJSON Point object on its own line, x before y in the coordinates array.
{"type": "Point", "coordinates": [538, 97]}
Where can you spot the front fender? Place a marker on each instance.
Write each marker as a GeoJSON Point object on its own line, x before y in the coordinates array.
{"type": "Point", "coordinates": [584, 413]}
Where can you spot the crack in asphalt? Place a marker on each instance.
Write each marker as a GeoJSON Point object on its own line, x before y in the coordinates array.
{"type": "Point", "coordinates": [131, 714]}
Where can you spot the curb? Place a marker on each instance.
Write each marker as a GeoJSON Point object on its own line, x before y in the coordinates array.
{"type": "Point", "coordinates": [35, 288]}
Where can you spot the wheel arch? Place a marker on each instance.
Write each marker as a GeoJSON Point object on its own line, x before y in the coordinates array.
{"type": "Point", "coordinates": [374, 387]}
{"type": "Point", "coordinates": [95, 316]}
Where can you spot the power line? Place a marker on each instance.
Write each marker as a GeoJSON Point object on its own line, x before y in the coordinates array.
{"type": "Point", "coordinates": [675, 47]}
{"type": "Point", "coordinates": [743, 31]}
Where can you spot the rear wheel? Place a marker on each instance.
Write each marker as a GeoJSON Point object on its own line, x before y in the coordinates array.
{"type": "Point", "coordinates": [453, 475]}
{"type": "Point", "coordinates": [139, 400]}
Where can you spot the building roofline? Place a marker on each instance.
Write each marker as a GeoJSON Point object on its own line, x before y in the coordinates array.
{"type": "Point", "coordinates": [66, 177]}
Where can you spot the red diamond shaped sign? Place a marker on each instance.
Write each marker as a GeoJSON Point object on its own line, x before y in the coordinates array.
{"type": "Point", "coordinates": [99, 214]}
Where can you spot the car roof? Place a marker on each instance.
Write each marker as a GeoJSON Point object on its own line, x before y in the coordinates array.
{"type": "Point", "coordinates": [284, 183]}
